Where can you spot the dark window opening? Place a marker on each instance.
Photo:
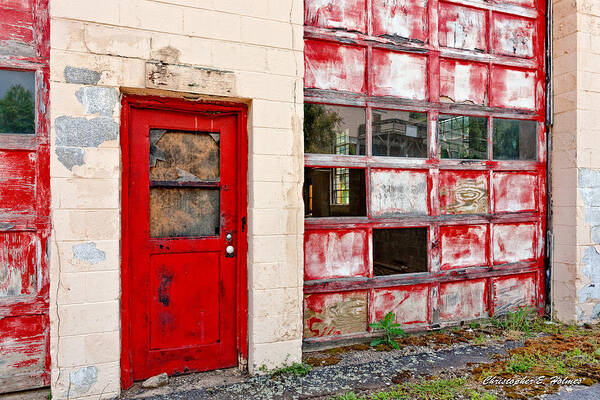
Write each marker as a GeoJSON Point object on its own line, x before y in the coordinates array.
{"type": "Point", "coordinates": [399, 133]}
{"type": "Point", "coordinates": [399, 251]}
{"type": "Point", "coordinates": [334, 130]}
{"type": "Point", "coordinates": [463, 137]}
{"type": "Point", "coordinates": [334, 192]}
{"type": "Point", "coordinates": [17, 102]}
{"type": "Point", "coordinates": [514, 139]}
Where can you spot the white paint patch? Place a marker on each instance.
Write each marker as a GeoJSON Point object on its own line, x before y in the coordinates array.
{"type": "Point", "coordinates": [514, 192]}
{"type": "Point", "coordinates": [343, 69]}
{"type": "Point", "coordinates": [398, 192]}
{"type": "Point", "coordinates": [399, 74]}
{"type": "Point", "coordinates": [513, 292]}
{"type": "Point", "coordinates": [335, 254]}
{"type": "Point", "coordinates": [514, 36]}
{"type": "Point", "coordinates": [513, 242]}
{"type": "Point", "coordinates": [464, 28]}
{"type": "Point", "coordinates": [409, 305]}
{"type": "Point", "coordinates": [461, 301]}
{"type": "Point", "coordinates": [514, 89]}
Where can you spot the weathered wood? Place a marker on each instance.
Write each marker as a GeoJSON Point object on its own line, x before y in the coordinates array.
{"type": "Point", "coordinates": [335, 314]}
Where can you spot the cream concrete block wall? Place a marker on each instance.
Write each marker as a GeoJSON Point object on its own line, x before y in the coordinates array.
{"type": "Point", "coordinates": [576, 161]}
{"type": "Point", "coordinates": [100, 47]}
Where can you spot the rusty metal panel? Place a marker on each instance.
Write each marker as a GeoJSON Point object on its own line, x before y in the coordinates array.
{"type": "Point", "coordinates": [399, 74]}
{"type": "Point", "coordinates": [513, 36]}
{"type": "Point", "coordinates": [514, 192]}
{"type": "Point", "coordinates": [329, 66]}
{"type": "Point", "coordinates": [406, 19]}
{"type": "Point", "coordinates": [335, 254]}
{"type": "Point", "coordinates": [463, 300]}
{"type": "Point", "coordinates": [395, 192]}
{"type": "Point", "coordinates": [511, 292]}
{"type": "Point", "coordinates": [345, 14]}
{"type": "Point", "coordinates": [335, 314]}
{"type": "Point", "coordinates": [463, 246]}
{"type": "Point", "coordinates": [409, 303]}
{"type": "Point", "coordinates": [462, 27]}
{"type": "Point", "coordinates": [463, 192]}
{"type": "Point", "coordinates": [513, 242]}
{"type": "Point", "coordinates": [513, 88]}
{"type": "Point", "coordinates": [463, 82]}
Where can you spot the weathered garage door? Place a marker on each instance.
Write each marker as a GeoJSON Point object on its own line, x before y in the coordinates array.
{"type": "Point", "coordinates": [425, 160]}
{"type": "Point", "coordinates": [24, 195]}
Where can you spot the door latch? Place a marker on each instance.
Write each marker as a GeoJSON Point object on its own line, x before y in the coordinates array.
{"type": "Point", "coordinates": [229, 251]}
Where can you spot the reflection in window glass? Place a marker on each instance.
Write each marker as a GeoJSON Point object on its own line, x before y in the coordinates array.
{"type": "Point", "coordinates": [334, 129]}
{"type": "Point", "coordinates": [334, 192]}
{"type": "Point", "coordinates": [514, 139]}
{"type": "Point", "coordinates": [399, 133]}
{"type": "Point", "coordinates": [399, 251]}
{"type": "Point", "coordinates": [463, 137]}
{"type": "Point", "coordinates": [17, 102]}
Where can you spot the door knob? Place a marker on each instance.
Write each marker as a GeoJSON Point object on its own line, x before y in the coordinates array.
{"type": "Point", "coordinates": [229, 250]}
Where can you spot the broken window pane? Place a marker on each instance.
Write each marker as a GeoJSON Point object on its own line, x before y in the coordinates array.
{"type": "Point", "coordinates": [334, 129]}
{"type": "Point", "coordinates": [17, 102]}
{"type": "Point", "coordinates": [399, 251]}
{"type": "Point", "coordinates": [463, 137]}
{"type": "Point", "coordinates": [514, 139]}
{"type": "Point", "coordinates": [178, 156]}
{"type": "Point", "coordinates": [334, 192]}
{"type": "Point", "coordinates": [184, 212]}
{"type": "Point", "coordinates": [399, 133]}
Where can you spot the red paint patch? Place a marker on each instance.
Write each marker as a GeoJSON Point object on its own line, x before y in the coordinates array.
{"type": "Point", "coordinates": [335, 254]}
{"type": "Point", "coordinates": [17, 177]}
{"type": "Point", "coordinates": [330, 66]}
{"type": "Point", "coordinates": [463, 246]}
{"type": "Point", "coordinates": [514, 192]}
{"type": "Point", "coordinates": [511, 292]}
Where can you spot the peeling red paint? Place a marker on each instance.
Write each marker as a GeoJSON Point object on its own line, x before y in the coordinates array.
{"type": "Point", "coordinates": [337, 14]}
{"type": "Point", "coordinates": [399, 74]}
{"type": "Point", "coordinates": [463, 82]}
{"type": "Point", "coordinates": [513, 88]}
{"type": "Point", "coordinates": [513, 242]}
{"type": "Point", "coordinates": [335, 314]}
{"type": "Point", "coordinates": [463, 246]}
{"type": "Point", "coordinates": [511, 292]}
{"type": "Point", "coordinates": [334, 67]}
{"type": "Point", "coordinates": [462, 27]}
{"type": "Point", "coordinates": [464, 300]}
{"type": "Point", "coordinates": [514, 192]}
{"type": "Point", "coordinates": [335, 254]}
{"type": "Point", "coordinates": [409, 303]}
{"type": "Point", "coordinates": [513, 36]}
{"type": "Point", "coordinates": [403, 18]}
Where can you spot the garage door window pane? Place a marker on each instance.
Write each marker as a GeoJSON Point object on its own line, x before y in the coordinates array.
{"type": "Point", "coordinates": [463, 137]}
{"type": "Point", "coordinates": [17, 102]}
{"type": "Point", "coordinates": [514, 139]}
{"type": "Point", "coordinates": [399, 133]}
{"type": "Point", "coordinates": [334, 129]}
{"type": "Point", "coordinates": [334, 192]}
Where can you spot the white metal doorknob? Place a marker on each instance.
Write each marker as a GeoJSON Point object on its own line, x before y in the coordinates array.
{"type": "Point", "coordinates": [229, 249]}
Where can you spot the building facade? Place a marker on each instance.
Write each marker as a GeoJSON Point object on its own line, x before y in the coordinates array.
{"type": "Point", "coordinates": [192, 185]}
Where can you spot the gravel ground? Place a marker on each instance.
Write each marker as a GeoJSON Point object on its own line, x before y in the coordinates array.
{"type": "Point", "coordinates": [360, 370]}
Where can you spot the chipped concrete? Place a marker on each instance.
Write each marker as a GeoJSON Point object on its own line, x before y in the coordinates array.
{"type": "Point", "coordinates": [83, 132]}
{"type": "Point", "coordinates": [81, 380]}
{"type": "Point", "coordinates": [82, 76]}
{"type": "Point", "coordinates": [98, 100]}
{"type": "Point", "coordinates": [70, 156]}
{"type": "Point", "coordinates": [88, 252]}
{"type": "Point", "coordinates": [186, 78]}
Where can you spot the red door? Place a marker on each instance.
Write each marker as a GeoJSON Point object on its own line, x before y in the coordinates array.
{"type": "Point", "coordinates": [184, 230]}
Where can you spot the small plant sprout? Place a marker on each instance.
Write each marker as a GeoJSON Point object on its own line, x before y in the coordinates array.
{"type": "Point", "coordinates": [390, 330]}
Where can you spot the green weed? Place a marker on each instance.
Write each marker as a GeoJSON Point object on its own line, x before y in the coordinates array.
{"type": "Point", "coordinates": [390, 329]}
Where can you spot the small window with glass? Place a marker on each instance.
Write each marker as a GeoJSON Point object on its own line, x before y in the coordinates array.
{"type": "Point", "coordinates": [463, 137]}
{"type": "Point", "coordinates": [17, 102]}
